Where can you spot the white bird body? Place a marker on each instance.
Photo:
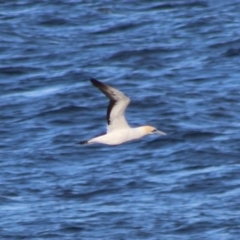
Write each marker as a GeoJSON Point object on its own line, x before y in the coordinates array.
{"type": "Point", "coordinates": [118, 130]}
{"type": "Point", "coordinates": [120, 136]}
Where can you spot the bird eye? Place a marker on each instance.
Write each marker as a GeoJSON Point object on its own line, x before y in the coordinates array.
{"type": "Point", "coordinates": [154, 130]}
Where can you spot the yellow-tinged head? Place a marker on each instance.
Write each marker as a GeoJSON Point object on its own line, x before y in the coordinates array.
{"type": "Point", "coordinates": [152, 130]}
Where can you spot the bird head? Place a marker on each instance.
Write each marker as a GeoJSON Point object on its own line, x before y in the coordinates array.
{"type": "Point", "coordinates": [152, 130]}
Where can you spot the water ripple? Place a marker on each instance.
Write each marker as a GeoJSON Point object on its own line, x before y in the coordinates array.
{"type": "Point", "coordinates": [177, 61]}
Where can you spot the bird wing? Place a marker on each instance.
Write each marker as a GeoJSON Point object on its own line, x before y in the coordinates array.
{"type": "Point", "coordinates": [116, 107]}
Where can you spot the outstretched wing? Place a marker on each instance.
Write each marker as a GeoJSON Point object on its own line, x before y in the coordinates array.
{"type": "Point", "coordinates": [116, 108]}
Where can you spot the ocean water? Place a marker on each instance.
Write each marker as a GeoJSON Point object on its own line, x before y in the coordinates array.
{"type": "Point", "coordinates": [178, 61]}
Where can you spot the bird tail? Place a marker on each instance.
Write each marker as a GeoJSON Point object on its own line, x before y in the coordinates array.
{"type": "Point", "coordinates": [83, 142]}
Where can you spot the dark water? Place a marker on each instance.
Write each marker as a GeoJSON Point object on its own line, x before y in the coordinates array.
{"type": "Point", "coordinates": [179, 61]}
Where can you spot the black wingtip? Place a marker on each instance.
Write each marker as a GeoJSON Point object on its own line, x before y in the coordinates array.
{"type": "Point", "coordinates": [93, 80]}
{"type": "Point", "coordinates": [96, 82]}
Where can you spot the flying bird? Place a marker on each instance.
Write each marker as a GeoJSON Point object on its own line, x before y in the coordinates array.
{"type": "Point", "coordinates": [118, 130]}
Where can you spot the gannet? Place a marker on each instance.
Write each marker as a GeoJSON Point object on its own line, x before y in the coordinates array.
{"type": "Point", "coordinates": [118, 130]}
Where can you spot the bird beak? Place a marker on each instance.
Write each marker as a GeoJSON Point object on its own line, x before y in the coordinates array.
{"type": "Point", "coordinates": [160, 132]}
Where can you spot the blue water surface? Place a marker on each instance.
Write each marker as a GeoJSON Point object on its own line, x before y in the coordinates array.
{"type": "Point", "coordinates": [178, 61]}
